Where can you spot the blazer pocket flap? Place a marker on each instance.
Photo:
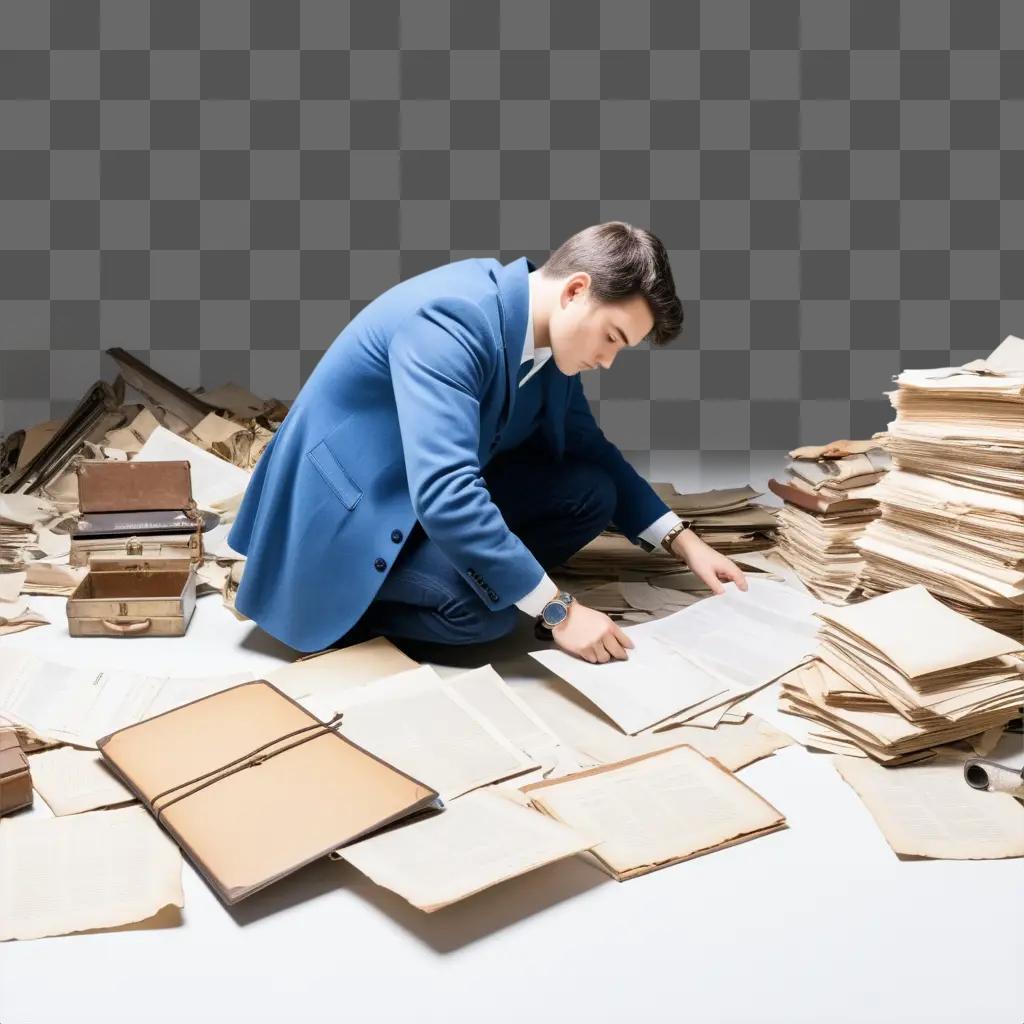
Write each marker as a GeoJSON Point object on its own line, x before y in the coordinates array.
{"type": "Point", "coordinates": [334, 474]}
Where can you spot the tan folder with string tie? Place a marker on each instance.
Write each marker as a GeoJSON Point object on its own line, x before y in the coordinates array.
{"type": "Point", "coordinates": [254, 787]}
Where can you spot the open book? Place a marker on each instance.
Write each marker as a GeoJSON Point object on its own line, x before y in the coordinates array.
{"type": "Point", "coordinates": [657, 809]}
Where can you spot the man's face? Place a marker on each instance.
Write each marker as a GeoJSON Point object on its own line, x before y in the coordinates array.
{"type": "Point", "coordinates": [587, 335]}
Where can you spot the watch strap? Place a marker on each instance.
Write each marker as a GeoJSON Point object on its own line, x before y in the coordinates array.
{"type": "Point", "coordinates": [666, 541]}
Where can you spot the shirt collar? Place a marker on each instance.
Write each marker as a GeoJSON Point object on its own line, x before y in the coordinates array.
{"type": "Point", "coordinates": [529, 351]}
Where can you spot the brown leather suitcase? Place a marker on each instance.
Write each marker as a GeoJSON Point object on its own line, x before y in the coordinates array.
{"type": "Point", "coordinates": [134, 597]}
{"type": "Point", "coordinates": [146, 510]}
{"type": "Point", "coordinates": [141, 584]}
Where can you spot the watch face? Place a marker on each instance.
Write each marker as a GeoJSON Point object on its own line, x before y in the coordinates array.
{"type": "Point", "coordinates": [554, 614]}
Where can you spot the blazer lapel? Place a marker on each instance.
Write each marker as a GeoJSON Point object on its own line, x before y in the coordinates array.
{"type": "Point", "coordinates": [514, 302]}
{"type": "Point", "coordinates": [513, 286]}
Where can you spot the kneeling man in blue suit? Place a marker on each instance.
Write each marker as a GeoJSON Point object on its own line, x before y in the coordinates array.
{"type": "Point", "coordinates": [442, 457]}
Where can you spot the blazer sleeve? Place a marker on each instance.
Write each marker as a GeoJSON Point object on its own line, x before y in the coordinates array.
{"type": "Point", "coordinates": [443, 359]}
{"type": "Point", "coordinates": [638, 505]}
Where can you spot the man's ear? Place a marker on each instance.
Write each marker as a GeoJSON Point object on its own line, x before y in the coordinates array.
{"type": "Point", "coordinates": [576, 285]}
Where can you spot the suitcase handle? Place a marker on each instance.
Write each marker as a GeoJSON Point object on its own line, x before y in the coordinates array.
{"type": "Point", "coordinates": [139, 626]}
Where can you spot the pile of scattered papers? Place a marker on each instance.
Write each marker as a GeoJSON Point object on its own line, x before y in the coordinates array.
{"type": "Point", "coordinates": [478, 741]}
{"type": "Point", "coordinates": [220, 433]}
{"type": "Point", "coordinates": [953, 504]}
{"type": "Point", "coordinates": [827, 506]}
{"type": "Point", "coordinates": [633, 585]}
{"type": "Point", "coordinates": [729, 519]}
{"type": "Point", "coordinates": [898, 675]}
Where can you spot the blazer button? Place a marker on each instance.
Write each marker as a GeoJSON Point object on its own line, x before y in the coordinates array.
{"type": "Point", "coordinates": [380, 565]}
{"type": "Point", "coordinates": [396, 536]}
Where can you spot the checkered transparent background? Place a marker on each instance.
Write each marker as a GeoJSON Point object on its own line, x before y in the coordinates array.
{"type": "Point", "coordinates": [219, 186]}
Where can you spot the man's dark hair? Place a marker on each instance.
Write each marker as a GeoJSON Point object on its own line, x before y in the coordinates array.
{"type": "Point", "coordinates": [622, 261]}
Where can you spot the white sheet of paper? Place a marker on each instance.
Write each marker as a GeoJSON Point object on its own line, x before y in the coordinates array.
{"type": "Point", "coordinates": [746, 638]}
{"type": "Point", "coordinates": [652, 685]}
{"type": "Point", "coordinates": [95, 870]}
{"type": "Point", "coordinates": [595, 740]}
{"type": "Point", "coordinates": [72, 781]}
{"type": "Point", "coordinates": [490, 696]}
{"type": "Point", "coordinates": [215, 543]}
{"type": "Point", "coordinates": [10, 586]}
{"type": "Point", "coordinates": [479, 840]}
{"type": "Point", "coordinates": [415, 722]}
{"type": "Point", "coordinates": [26, 509]}
{"type": "Point", "coordinates": [313, 681]}
{"type": "Point", "coordinates": [213, 478]}
{"type": "Point", "coordinates": [78, 705]}
{"type": "Point", "coordinates": [928, 810]}
{"type": "Point", "coordinates": [728, 644]}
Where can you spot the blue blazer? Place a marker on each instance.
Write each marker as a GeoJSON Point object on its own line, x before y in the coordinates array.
{"type": "Point", "coordinates": [393, 426]}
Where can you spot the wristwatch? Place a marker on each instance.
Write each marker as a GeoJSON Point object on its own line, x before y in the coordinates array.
{"type": "Point", "coordinates": [556, 610]}
{"type": "Point", "coordinates": [666, 541]}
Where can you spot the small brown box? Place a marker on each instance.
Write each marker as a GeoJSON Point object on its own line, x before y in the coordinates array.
{"type": "Point", "coordinates": [15, 778]}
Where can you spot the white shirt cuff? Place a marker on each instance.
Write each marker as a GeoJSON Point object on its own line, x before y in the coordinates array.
{"type": "Point", "coordinates": [533, 602]}
{"type": "Point", "coordinates": [655, 533]}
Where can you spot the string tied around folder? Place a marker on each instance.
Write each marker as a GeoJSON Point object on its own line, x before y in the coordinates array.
{"type": "Point", "coordinates": [252, 759]}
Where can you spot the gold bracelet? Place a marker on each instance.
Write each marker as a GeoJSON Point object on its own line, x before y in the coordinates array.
{"type": "Point", "coordinates": [666, 541]}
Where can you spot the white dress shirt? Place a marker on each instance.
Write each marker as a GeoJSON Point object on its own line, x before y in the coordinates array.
{"type": "Point", "coordinates": [533, 602]}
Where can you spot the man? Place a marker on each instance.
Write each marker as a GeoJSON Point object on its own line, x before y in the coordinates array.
{"type": "Point", "coordinates": [442, 456]}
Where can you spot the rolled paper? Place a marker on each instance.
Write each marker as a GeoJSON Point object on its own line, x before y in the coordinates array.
{"type": "Point", "coordinates": [993, 777]}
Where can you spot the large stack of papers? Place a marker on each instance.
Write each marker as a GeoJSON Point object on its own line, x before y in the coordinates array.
{"type": "Point", "coordinates": [900, 674]}
{"type": "Point", "coordinates": [22, 524]}
{"type": "Point", "coordinates": [826, 508]}
{"type": "Point", "coordinates": [953, 505]}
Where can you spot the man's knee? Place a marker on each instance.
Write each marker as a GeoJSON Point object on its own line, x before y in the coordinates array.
{"type": "Point", "coordinates": [471, 622]}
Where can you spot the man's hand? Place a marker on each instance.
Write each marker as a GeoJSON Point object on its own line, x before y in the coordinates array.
{"type": "Point", "coordinates": [710, 565]}
{"type": "Point", "coordinates": [591, 635]}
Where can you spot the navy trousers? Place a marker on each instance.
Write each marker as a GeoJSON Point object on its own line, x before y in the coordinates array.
{"type": "Point", "coordinates": [555, 508]}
